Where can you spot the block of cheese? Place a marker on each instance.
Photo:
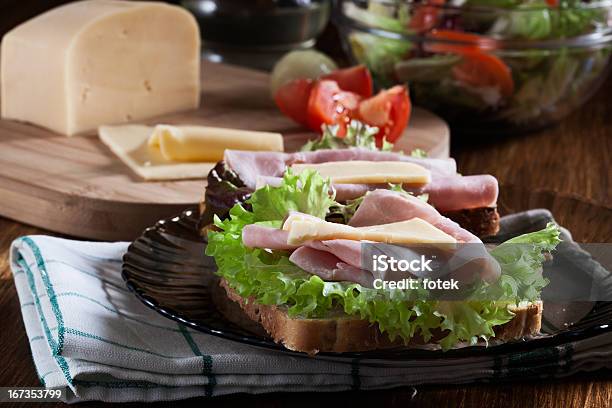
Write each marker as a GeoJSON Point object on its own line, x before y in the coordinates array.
{"type": "Point", "coordinates": [98, 62]}
{"type": "Point", "coordinates": [368, 172]}
{"type": "Point", "coordinates": [413, 231]}
{"type": "Point", "coordinates": [129, 143]}
{"type": "Point", "coordinates": [203, 143]}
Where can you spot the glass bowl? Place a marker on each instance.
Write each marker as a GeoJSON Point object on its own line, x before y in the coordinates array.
{"type": "Point", "coordinates": [484, 65]}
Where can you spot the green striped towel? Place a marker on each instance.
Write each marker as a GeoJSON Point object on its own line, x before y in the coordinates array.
{"type": "Point", "coordinates": [92, 337]}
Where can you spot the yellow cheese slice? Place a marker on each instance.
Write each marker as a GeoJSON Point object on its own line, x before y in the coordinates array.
{"type": "Point", "coordinates": [370, 172]}
{"type": "Point", "coordinates": [300, 217]}
{"type": "Point", "coordinates": [129, 143]}
{"type": "Point", "coordinates": [413, 231]}
{"type": "Point", "coordinates": [207, 144]}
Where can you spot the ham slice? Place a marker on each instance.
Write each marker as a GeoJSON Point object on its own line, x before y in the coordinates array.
{"type": "Point", "coordinates": [450, 193]}
{"type": "Point", "coordinates": [340, 259]}
{"type": "Point", "coordinates": [386, 206]}
{"type": "Point", "coordinates": [250, 165]}
{"type": "Point", "coordinates": [258, 236]}
{"type": "Point", "coordinates": [462, 192]}
{"type": "Point", "coordinates": [346, 250]}
{"type": "Point", "coordinates": [329, 267]}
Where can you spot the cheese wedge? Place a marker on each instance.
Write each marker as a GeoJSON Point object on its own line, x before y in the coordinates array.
{"type": "Point", "coordinates": [207, 144]}
{"type": "Point", "coordinates": [413, 231]}
{"type": "Point", "coordinates": [100, 62]}
{"type": "Point", "coordinates": [368, 172]}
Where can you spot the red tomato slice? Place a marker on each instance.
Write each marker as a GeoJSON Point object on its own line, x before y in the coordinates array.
{"type": "Point", "coordinates": [458, 42]}
{"type": "Point", "coordinates": [330, 105]}
{"type": "Point", "coordinates": [354, 79]}
{"type": "Point", "coordinates": [389, 110]}
{"type": "Point", "coordinates": [425, 15]}
{"type": "Point", "coordinates": [480, 69]}
{"type": "Point", "coordinates": [292, 99]}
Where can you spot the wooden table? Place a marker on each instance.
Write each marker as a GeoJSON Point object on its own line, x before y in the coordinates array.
{"type": "Point", "coordinates": [573, 158]}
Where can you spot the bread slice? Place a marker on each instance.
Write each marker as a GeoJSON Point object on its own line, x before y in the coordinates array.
{"type": "Point", "coordinates": [482, 222]}
{"type": "Point", "coordinates": [343, 333]}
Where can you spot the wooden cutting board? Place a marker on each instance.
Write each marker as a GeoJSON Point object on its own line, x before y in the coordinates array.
{"type": "Point", "coordinates": [76, 186]}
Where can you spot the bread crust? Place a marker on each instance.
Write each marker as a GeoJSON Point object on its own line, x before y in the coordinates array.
{"type": "Point", "coordinates": [482, 222]}
{"type": "Point", "coordinates": [347, 333]}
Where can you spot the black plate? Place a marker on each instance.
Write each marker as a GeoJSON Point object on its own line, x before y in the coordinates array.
{"type": "Point", "coordinates": [166, 268]}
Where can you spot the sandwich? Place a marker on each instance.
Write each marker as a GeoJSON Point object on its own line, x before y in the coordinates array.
{"type": "Point", "coordinates": [294, 261]}
{"type": "Point", "coordinates": [470, 201]}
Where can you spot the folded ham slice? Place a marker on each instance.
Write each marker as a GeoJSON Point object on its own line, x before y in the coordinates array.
{"type": "Point", "coordinates": [461, 192]}
{"type": "Point", "coordinates": [258, 236]}
{"type": "Point", "coordinates": [386, 206]}
{"type": "Point", "coordinates": [446, 193]}
{"type": "Point", "coordinates": [329, 267]}
{"type": "Point", "coordinates": [250, 165]}
{"type": "Point", "coordinates": [341, 259]}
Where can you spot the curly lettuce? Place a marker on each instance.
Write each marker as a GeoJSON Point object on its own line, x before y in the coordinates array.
{"type": "Point", "coordinates": [271, 279]}
{"type": "Point", "coordinates": [358, 134]}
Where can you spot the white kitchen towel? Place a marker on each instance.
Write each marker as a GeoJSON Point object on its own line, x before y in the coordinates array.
{"type": "Point", "coordinates": [92, 337]}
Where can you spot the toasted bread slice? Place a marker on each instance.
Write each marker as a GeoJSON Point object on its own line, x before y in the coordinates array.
{"type": "Point", "coordinates": [343, 333]}
{"type": "Point", "coordinates": [482, 222]}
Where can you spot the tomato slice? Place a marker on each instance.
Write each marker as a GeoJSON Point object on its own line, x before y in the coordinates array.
{"type": "Point", "coordinates": [354, 79]}
{"type": "Point", "coordinates": [458, 42]}
{"type": "Point", "coordinates": [328, 104]}
{"type": "Point", "coordinates": [389, 110]}
{"type": "Point", "coordinates": [426, 15]}
{"type": "Point", "coordinates": [292, 99]}
{"type": "Point", "coordinates": [480, 69]}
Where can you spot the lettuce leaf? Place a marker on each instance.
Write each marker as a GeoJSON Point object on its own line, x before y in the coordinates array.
{"type": "Point", "coordinates": [358, 134]}
{"type": "Point", "coordinates": [519, 257]}
{"type": "Point", "coordinates": [307, 192]}
{"type": "Point", "coordinates": [271, 279]}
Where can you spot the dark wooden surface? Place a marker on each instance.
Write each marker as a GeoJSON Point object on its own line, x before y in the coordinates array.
{"type": "Point", "coordinates": [573, 159]}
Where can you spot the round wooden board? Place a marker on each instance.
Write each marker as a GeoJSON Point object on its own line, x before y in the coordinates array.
{"type": "Point", "coordinates": [76, 186]}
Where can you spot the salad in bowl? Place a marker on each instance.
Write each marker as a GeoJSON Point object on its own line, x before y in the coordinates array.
{"type": "Point", "coordinates": [503, 65]}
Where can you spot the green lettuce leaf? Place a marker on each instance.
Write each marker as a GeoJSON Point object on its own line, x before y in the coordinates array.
{"type": "Point", "coordinates": [271, 279]}
{"type": "Point", "coordinates": [379, 54]}
{"type": "Point", "coordinates": [358, 134]}
{"type": "Point", "coordinates": [306, 192]}
{"type": "Point", "coordinates": [519, 257]}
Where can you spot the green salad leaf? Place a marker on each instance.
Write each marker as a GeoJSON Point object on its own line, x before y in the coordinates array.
{"type": "Point", "coordinates": [420, 153]}
{"type": "Point", "coordinates": [536, 20]}
{"type": "Point", "coordinates": [379, 54]}
{"type": "Point", "coordinates": [271, 279]}
{"type": "Point", "coordinates": [306, 192]}
{"type": "Point", "coordinates": [358, 134]}
{"type": "Point", "coordinates": [520, 256]}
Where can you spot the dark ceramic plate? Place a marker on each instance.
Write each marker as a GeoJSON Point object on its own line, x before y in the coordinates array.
{"type": "Point", "coordinates": [167, 270]}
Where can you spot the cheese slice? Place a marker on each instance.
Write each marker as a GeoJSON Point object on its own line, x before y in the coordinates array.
{"type": "Point", "coordinates": [207, 144]}
{"type": "Point", "coordinates": [129, 143]}
{"type": "Point", "coordinates": [413, 231]}
{"type": "Point", "coordinates": [368, 172]}
{"type": "Point", "coordinates": [100, 62]}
